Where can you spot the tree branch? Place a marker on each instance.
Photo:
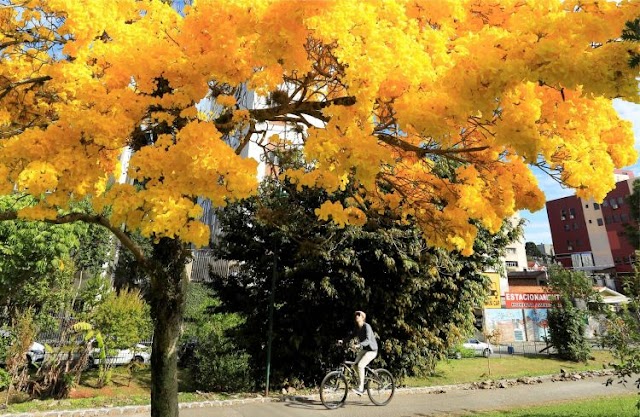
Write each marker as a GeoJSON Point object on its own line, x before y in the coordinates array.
{"type": "Point", "coordinates": [405, 146]}
{"type": "Point", "coordinates": [263, 115]}
{"type": "Point", "coordinates": [15, 84]}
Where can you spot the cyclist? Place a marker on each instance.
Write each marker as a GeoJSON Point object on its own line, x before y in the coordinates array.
{"type": "Point", "coordinates": [367, 348]}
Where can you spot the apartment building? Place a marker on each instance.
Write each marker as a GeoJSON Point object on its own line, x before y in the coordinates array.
{"type": "Point", "coordinates": [589, 236]}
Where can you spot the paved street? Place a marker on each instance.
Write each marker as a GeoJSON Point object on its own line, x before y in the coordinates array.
{"type": "Point", "coordinates": [422, 405]}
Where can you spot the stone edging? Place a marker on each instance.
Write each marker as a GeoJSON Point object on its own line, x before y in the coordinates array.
{"type": "Point", "coordinates": [138, 409]}
{"type": "Point", "coordinates": [488, 384]}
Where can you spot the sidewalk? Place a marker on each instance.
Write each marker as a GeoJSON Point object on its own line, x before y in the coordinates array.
{"type": "Point", "coordinates": [427, 401]}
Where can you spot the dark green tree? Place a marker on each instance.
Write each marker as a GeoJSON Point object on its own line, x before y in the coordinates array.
{"type": "Point", "coordinates": [419, 300]}
{"type": "Point", "coordinates": [532, 250]}
{"type": "Point", "coordinates": [631, 33]}
{"type": "Point", "coordinates": [622, 334]}
{"type": "Point", "coordinates": [209, 349]}
{"type": "Point", "coordinates": [632, 230]}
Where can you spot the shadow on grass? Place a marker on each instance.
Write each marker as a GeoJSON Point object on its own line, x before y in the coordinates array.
{"type": "Point", "coordinates": [543, 414]}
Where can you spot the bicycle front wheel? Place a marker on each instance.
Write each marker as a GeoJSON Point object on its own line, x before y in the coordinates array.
{"type": "Point", "coordinates": [381, 387]}
{"type": "Point", "coordinates": [333, 390]}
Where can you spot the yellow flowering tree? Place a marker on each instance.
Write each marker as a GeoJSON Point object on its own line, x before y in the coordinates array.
{"type": "Point", "coordinates": [381, 93]}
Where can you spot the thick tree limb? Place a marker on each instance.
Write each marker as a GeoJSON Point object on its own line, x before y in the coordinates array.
{"type": "Point", "coordinates": [308, 107]}
{"type": "Point", "coordinates": [405, 146]}
{"type": "Point", "coordinates": [15, 84]}
{"type": "Point", "coordinates": [93, 219]}
{"type": "Point", "coordinates": [246, 138]}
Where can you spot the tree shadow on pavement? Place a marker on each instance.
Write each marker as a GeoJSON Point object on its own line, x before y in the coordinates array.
{"type": "Point", "coordinates": [313, 404]}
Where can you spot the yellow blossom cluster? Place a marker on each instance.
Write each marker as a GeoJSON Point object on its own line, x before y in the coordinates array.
{"type": "Point", "coordinates": [435, 108]}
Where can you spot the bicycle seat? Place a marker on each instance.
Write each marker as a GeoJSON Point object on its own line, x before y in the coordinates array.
{"type": "Point", "coordinates": [350, 363]}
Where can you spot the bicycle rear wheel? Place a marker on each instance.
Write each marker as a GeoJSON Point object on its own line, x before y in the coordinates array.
{"type": "Point", "coordinates": [333, 390]}
{"type": "Point", "coordinates": [380, 387]}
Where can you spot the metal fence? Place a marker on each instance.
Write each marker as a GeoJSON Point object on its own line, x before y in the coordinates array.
{"type": "Point", "coordinates": [532, 348]}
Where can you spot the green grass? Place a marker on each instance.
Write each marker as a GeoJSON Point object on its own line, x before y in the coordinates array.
{"type": "Point", "coordinates": [616, 406]}
{"type": "Point", "coordinates": [457, 371]}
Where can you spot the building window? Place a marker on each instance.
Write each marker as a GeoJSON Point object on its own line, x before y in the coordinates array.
{"type": "Point", "coordinates": [587, 259]}
{"type": "Point", "coordinates": [572, 213]}
{"type": "Point", "coordinates": [567, 227]}
{"type": "Point", "coordinates": [563, 214]}
{"type": "Point", "coordinates": [578, 242]}
{"type": "Point", "coordinates": [596, 206]}
{"type": "Point", "coordinates": [600, 223]}
{"type": "Point", "coordinates": [618, 261]}
{"type": "Point", "coordinates": [627, 260]}
{"type": "Point", "coordinates": [569, 245]}
{"type": "Point", "coordinates": [624, 218]}
{"type": "Point", "coordinates": [590, 221]}
{"type": "Point", "coordinates": [513, 264]}
{"type": "Point", "coordinates": [586, 206]}
{"type": "Point", "coordinates": [607, 220]}
{"type": "Point", "coordinates": [620, 201]}
{"type": "Point", "coordinates": [605, 203]}
{"type": "Point", "coordinates": [615, 219]}
{"type": "Point", "coordinates": [614, 204]}
{"type": "Point", "coordinates": [511, 250]}
{"type": "Point", "coordinates": [575, 226]}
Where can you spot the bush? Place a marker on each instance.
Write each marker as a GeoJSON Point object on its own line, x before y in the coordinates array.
{"type": "Point", "coordinates": [5, 379]}
{"type": "Point", "coordinates": [567, 321]}
{"type": "Point", "coordinates": [459, 352]}
{"type": "Point", "coordinates": [215, 361]}
{"type": "Point", "coordinates": [219, 366]}
{"type": "Point", "coordinates": [566, 331]}
{"type": "Point", "coordinates": [5, 342]}
{"type": "Point", "coordinates": [121, 321]}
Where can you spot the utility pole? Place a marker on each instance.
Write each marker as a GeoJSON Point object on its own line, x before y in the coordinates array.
{"type": "Point", "coordinates": [271, 303]}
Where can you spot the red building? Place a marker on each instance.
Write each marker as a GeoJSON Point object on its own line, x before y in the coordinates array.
{"type": "Point", "coordinates": [617, 214]}
{"type": "Point", "coordinates": [568, 230]}
{"type": "Point", "coordinates": [590, 236]}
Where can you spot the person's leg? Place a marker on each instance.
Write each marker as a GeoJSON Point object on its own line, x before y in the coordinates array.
{"type": "Point", "coordinates": [362, 363]}
{"type": "Point", "coordinates": [356, 361]}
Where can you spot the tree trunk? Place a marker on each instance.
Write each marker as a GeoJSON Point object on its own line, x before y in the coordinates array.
{"type": "Point", "coordinates": [167, 294]}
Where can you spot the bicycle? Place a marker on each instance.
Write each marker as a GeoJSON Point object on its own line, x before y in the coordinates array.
{"type": "Point", "coordinates": [379, 384]}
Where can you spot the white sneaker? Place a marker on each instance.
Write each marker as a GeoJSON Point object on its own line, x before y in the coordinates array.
{"type": "Point", "coordinates": [358, 391]}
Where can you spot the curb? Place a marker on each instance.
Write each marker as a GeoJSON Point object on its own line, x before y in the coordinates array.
{"type": "Point", "coordinates": [437, 389]}
{"type": "Point", "coordinates": [138, 409]}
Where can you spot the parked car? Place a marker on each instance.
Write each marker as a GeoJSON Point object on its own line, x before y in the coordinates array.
{"type": "Point", "coordinates": [479, 347]}
{"type": "Point", "coordinates": [38, 352]}
{"type": "Point", "coordinates": [139, 354]}
{"type": "Point", "coordinates": [35, 353]}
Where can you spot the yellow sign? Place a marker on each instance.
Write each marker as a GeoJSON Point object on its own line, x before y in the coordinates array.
{"type": "Point", "coordinates": [493, 296]}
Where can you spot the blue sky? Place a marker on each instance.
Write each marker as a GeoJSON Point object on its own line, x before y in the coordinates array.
{"type": "Point", "coordinates": [537, 225]}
